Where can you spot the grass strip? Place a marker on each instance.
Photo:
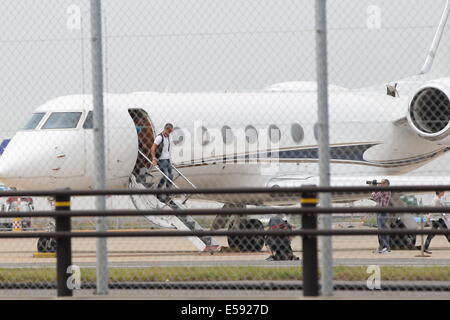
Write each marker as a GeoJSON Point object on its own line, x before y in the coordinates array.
{"type": "Point", "coordinates": [227, 273]}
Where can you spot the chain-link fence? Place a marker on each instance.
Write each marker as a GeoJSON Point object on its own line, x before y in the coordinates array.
{"type": "Point", "coordinates": [212, 94]}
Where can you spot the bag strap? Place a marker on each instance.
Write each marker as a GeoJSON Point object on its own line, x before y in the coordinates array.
{"type": "Point", "coordinates": [162, 141]}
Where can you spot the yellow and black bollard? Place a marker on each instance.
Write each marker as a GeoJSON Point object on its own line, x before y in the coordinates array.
{"type": "Point", "coordinates": [310, 264]}
{"type": "Point", "coordinates": [63, 246]}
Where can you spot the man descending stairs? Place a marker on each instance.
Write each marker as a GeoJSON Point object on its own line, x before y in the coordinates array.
{"type": "Point", "coordinates": [160, 152]}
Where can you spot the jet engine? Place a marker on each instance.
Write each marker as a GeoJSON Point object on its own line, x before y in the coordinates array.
{"type": "Point", "coordinates": [429, 112]}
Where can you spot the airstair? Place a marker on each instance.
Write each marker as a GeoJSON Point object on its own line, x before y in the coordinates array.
{"type": "Point", "coordinates": [149, 202]}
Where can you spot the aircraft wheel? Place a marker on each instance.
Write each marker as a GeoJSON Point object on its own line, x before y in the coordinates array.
{"type": "Point", "coordinates": [46, 245]}
{"type": "Point", "coordinates": [402, 242]}
{"type": "Point", "coordinates": [247, 243]}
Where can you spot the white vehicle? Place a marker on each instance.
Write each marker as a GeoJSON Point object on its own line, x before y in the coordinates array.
{"type": "Point", "coordinates": [243, 139]}
{"type": "Point", "coordinates": [17, 205]}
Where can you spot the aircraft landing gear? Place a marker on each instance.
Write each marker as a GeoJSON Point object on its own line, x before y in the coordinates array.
{"type": "Point", "coordinates": [246, 243]}
{"type": "Point", "coordinates": [401, 242]}
{"type": "Point", "coordinates": [46, 245]}
{"type": "Point", "coordinates": [239, 222]}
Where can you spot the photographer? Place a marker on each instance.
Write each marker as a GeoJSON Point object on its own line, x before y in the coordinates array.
{"type": "Point", "coordinates": [382, 198]}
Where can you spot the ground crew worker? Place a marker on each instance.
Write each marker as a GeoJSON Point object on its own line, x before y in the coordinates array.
{"type": "Point", "coordinates": [280, 246]}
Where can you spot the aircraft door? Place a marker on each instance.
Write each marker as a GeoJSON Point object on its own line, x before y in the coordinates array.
{"type": "Point", "coordinates": [145, 136]}
{"type": "Point", "coordinates": [121, 143]}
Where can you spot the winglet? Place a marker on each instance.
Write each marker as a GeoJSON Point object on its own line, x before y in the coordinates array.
{"type": "Point", "coordinates": [436, 40]}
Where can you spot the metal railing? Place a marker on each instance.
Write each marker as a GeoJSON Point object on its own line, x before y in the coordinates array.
{"type": "Point", "coordinates": [309, 211]}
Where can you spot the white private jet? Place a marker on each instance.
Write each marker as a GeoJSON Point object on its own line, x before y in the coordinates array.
{"type": "Point", "coordinates": [244, 139]}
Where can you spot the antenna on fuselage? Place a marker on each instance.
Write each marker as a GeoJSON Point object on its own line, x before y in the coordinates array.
{"type": "Point", "coordinates": [436, 40]}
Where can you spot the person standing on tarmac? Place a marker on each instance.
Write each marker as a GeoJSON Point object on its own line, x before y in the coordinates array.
{"type": "Point", "coordinates": [439, 223]}
{"type": "Point", "coordinates": [160, 152]}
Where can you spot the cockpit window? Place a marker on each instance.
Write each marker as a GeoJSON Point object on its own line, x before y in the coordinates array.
{"type": "Point", "coordinates": [34, 121]}
{"type": "Point", "coordinates": [89, 122]}
{"type": "Point", "coordinates": [62, 120]}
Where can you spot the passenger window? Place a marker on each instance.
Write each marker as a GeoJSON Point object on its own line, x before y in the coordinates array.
{"type": "Point", "coordinates": [316, 131]}
{"type": "Point", "coordinates": [62, 120]}
{"type": "Point", "coordinates": [251, 134]}
{"type": "Point", "coordinates": [274, 133]}
{"type": "Point", "coordinates": [227, 135]}
{"type": "Point", "coordinates": [177, 136]}
{"type": "Point", "coordinates": [297, 132]}
{"type": "Point", "coordinates": [34, 121]}
{"type": "Point", "coordinates": [89, 122]}
{"type": "Point", "coordinates": [204, 136]}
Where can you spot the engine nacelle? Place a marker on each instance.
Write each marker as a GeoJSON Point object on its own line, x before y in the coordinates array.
{"type": "Point", "coordinates": [429, 112]}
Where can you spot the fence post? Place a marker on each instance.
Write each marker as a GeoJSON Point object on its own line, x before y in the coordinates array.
{"type": "Point", "coordinates": [63, 247]}
{"type": "Point", "coordinates": [326, 249]}
{"type": "Point", "coordinates": [99, 142]}
{"type": "Point", "coordinates": [310, 264]}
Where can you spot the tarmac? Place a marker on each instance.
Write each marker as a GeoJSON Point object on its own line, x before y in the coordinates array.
{"type": "Point", "coordinates": [130, 252]}
{"type": "Point", "coordinates": [178, 251]}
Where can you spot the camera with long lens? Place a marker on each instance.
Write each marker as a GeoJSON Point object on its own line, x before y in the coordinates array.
{"type": "Point", "coordinates": [373, 182]}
